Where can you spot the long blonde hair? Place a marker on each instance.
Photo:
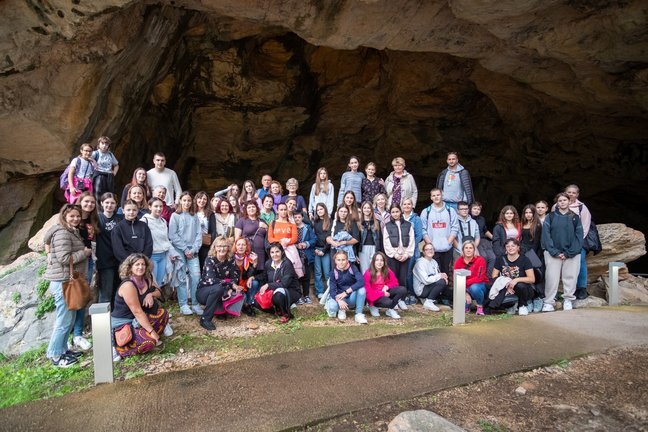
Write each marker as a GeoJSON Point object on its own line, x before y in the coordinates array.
{"type": "Point", "coordinates": [321, 185]}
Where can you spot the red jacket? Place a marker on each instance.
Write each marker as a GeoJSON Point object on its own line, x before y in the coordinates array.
{"type": "Point", "coordinates": [374, 290]}
{"type": "Point", "coordinates": [477, 269]}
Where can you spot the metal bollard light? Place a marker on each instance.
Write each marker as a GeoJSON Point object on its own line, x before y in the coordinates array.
{"type": "Point", "coordinates": [613, 286]}
{"type": "Point", "coordinates": [102, 342]}
{"type": "Point", "coordinates": [459, 296]}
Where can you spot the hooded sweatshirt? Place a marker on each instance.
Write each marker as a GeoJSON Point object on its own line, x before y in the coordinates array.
{"type": "Point", "coordinates": [159, 233]}
{"type": "Point", "coordinates": [562, 233]}
{"type": "Point", "coordinates": [456, 185]}
{"type": "Point", "coordinates": [438, 225]}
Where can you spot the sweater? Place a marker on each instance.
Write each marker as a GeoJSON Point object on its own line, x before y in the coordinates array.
{"type": "Point", "coordinates": [407, 188]}
{"type": "Point", "coordinates": [159, 233]}
{"type": "Point", "coordinates": [439, 225]}
{"type": "Point", "coordinates": [167, 178]}
{"type": "Point", "coordinates": [341, 280]}
{"type": "Point", "coordinates": [562, 233]}
{"type": "Point", "coordinates": [477, 267]}
{"type": "Point", "coordinates": [374, 289]}
{"type": "Point", "coordinates": [351, 181]}
{"type": "Point", "coordinates": [130, 237]}
{"type": "Point", "coordinates": [465, 185]}
{"type": "Point", "coordinates": [278, 230]}
{"type": "Point", "coordinates": [64, 245]}
{"type": "Point", "coordinates": [185, 233]}
{"type": "Point", "coordinates": [324, 198]}
{"type": "Point", "coordinates": [105, 255]}
{"type": "Point", "coordinates": [426, 272]}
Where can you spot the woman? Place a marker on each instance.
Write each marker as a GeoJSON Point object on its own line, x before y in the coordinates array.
{"type": "Point", "coordinates": [380, 209]}
{"type": "Point", "coordinates": [507, 227]}
{"type": "Point", "coordinates": [382, 287]}
{"type": "Point", "coordinates": [322, 265]}
{"type": "Point", "coordinates": [410, 216]}
{"type": "Point", "coordinates": [370, 236]}
{"type": "Point", "coordinates": [280, 278]}
{"type": "Point", "coordinates": [65, 246]}
{"type": "Point", "coordinates": [430, 284]}
{"type": "Point", "coordinates": [346, 288]}
{"type": "Point", "coordinates": [398, 241]}
{"type": "Point", "coordinates": [541, 209]}
{"type": "Point", "coordinates": [267, 213]}
{"type": "Point", "coordinates": [276, 192]}
{"type": "Point", "coordinates": [400, 184]}
{"type": "Point", "coordinates": [161, 243]}
{"type": "Point", "coordinates": [283, 231]}
{"type": "Point", "coordinates": [349, 201]}
{"type": "Point", "coordinates": [344, 234]}
{"type": "Point", "coordinates": [185, 236]}
{"type": "Point", "coordinates": [136, 305]}
{"type": "Point", "coordinates": [137, 195]}
{"type": "Point", "coordinates": [219, 281]}
{"type": "Point", "coordinates": [531, 234]}
{"type": "Point", "coordinates": [476, 282]}
{"type": "Point", "coordinates": [562, 241]}
{"type": "Point", "coordinates": [89, 229]}
{"type": "Point", "coordinates": [485, 246]}
{"type": "Point", "coordinates": [321, 192]}
{"type": "Point", "coordinates": [253, 229]}
{"type": "Point", "coordinates": [222, 221]}
{"type": "Point", "coordinates": [79, 175]}
{"type": "Point", "coordinates": [107, 264]}
{"type": "Point", "coordinates": [292, 185]}
{"type": "Point", "coordinates": [138, 179]}
{"type": "Point", "coordinates": [372, 185]}
{"type": "Point", "coordinates": [351, 181]}
{"type": "Point", "coordinates": [249, 194]}
{"type": "Point", "coordinates": [247, 263]}
{"type": "Point", "coordinates": [131, 235]}
{"type": "Point", "coordinates": [518, 269]}
{"type": "Point", "coordinates": [204, 212]}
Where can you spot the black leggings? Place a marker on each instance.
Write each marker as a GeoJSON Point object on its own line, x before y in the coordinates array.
{"type": "Point", "coordinates": [436, 290]}
{"type": "Point", "coordinates": [211, 296]}
{"type": "Point", "coordinates": [524, 292]}
{"type": "Point", "coordinates": [304, 281]}
{"type": "Point", "coordinates": [395, 294]}
{"type": "Point", "coordinates": [400, 269]}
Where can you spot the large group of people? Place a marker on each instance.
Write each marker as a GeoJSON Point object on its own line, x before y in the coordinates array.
{"type": "Point", "coordinates": [243, 249]}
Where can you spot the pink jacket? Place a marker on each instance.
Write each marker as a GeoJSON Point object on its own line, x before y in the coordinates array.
{"type": "Point", "coordinates": [374, 290]}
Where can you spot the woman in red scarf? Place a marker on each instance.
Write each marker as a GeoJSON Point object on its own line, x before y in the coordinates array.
{"type": "Point", "coordinates": [246, 261]}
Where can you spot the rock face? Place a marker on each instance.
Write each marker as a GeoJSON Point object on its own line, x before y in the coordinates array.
{"type": "Point", "coordinates": [632, 289]}
{"type": "Point", "coordinates": [534, 94]}
{"type": "Point", "coordinates": [620, 243]}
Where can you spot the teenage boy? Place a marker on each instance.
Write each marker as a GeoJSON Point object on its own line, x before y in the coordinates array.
{"type": "Point", "coordinates": [106, 167]}
{"type": "Point", "coordinates": [162, 176]}
{"type": "Point", "coordinates": [440, 227]}
{"type": "Point", "coordinates": [468, 228]}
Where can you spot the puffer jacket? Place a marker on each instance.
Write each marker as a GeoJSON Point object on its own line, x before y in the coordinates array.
{"type": "Point", "coordinates": [65, 245]}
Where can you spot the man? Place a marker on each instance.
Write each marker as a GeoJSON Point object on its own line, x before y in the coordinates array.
{"type": "Point", "coordinates": [161, 176]}
{"type": "Point", "coordinates": [455, 182]}
{"type": "Point", "coordinates": [468, 228]}
{"type": "Point", "coordinates": [440, 227]}
{"type": "Point", "coordinates": [266, 180]}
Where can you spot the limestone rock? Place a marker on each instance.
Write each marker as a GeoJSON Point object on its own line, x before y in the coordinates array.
{"type": "Point", "coordinates": [620, 243]}
{"type": "Point", "coordinates": [589, 302]}
{"type": "Point", "coordinates": [632, 289]}
{"type": "Point", "coordinates": [36, 242]}
{"type": "Point", "coordinates": [421, 421]}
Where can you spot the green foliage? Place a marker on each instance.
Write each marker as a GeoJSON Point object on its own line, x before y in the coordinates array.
{"type": "Point", "coordinates": [44, 305]}
{"type": "Point", "coordinates": [41, 269]}
{"type": "Point", "coordinates": [562, 363]}
{"type": "Point", "coordinates": [15, 297]}
{"type": "Point", "coordinates": [487, 426]}
{"type": "Point", "coordinates": [41, 288]}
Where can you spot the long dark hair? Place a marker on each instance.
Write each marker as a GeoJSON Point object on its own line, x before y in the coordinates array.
{"type": "Point", "coordinates": [326, 219]}
{"type": "Point", "coordinates": [93, 217]}
{"type": "Point", "coordinates": [373, 272]}
{"type": "Point", "coordinates": [534, 222]}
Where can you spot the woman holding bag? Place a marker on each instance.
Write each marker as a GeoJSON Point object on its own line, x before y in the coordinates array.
{"type": "Point", "coordinates": [66, 250]}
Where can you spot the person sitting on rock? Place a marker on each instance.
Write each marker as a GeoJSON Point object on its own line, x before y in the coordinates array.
{"type": "Point", "coordinates": [476, 282]}
{"type": "Point", "coordinates": [383, 290]}
{"type": "Point", "coordinates": [136, 305]}
{"type": "Point", "coordinates": [519, 269]}
{"type": "Point", "coordinates": [430, 284]}
{"type": "Point", "coordinates": [346, 289]}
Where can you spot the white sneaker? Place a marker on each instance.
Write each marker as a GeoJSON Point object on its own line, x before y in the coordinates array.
{"type": "Point", "coordinates": [168, 331]}
{"type": "Point", "coordinates": [82, 343]}
{"type": "Point", "coordinates": [293, 306]}
{"type": "Point", "coordinates": [512, 309]}
{"type": "Point", "coordinates": [361, 319]}
{"type": "Point", "coordinates": [523, 311]}
{"type": "Point", "coordinates": [567, 305]}
{"type": "Point", "coordinates": [402, 305]}
{"type": "Point", "coordinates": [548, 308]}
{"type": "Point", "coordinates": [341, 315]}
{"type": "Point", "coordinates": [391, 313]}
{"type": "Point", "coordinates": [429, 305]}
{"type": "Point", "coordinates": [197, 309]}
{"type": "Point", "coordinates": [115, 355]}
{"type": "Point", "coordinates": [185, 310]}
{"type": "Point", "coordinates": [537, 305]}
{"type": "Point", "coordinates": [374, 311]}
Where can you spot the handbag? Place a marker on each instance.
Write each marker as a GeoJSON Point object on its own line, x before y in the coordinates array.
{"type": "Point", "coordinates": [264, 301]}
{"type": "Point", "coordinates": [124, 334]}
{"type": "Point", "coordinates": [206, 240]}
{"type": "Point", "coordinates": [76, 290]}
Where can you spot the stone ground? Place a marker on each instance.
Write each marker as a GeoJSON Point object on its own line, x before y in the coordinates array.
{"type": "Point", "coordinates": [600, 392]}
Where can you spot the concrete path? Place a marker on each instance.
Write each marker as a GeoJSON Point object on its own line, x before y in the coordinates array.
{"type": "Point", "coordinates": [288, 390]}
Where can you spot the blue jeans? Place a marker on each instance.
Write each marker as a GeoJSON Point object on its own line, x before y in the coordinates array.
{"type": "Point", "coordinates": [477, 292]}
{"type": "Point", "coordinates": [193, 268]}
{"type": "Point", "coordinates": [251, 292]}
{"type": "Point", "coordinates": [322, 269]}
{"type": "Point", "coordinates": [63, 323]}
{"type": "Point", "coordinates": [358, 298]}
{"type": "Point", "coordinates": [581, 282]}
{"type": "Point", "coordinates": [159, 267]}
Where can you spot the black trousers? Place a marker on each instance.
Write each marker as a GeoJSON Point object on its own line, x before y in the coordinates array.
{"type": "Point", "coordinates": [395, 294]}
{"type": "Point", "coordinates": [282, 302]}
{"type": "Point", "coordinates": [202, 255]}
{"type": "Point", "coordinates": [524, 292]}
{"type": "Point", "coordinates": [102, 183]}
{"type": "Point", "coordinates": [444, 259]}
{"type": "Point", "coordinates": [304, 281]}
{"type": "Point", "coordinates": [436, 290]}
{"type": "Point", "coordinates": [400, 269]}
{"type": "Point", "coordinates": [211, 296]}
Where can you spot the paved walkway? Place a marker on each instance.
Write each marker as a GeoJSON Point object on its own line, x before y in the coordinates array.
{"type": "Point", "coordinates": [287, 390]}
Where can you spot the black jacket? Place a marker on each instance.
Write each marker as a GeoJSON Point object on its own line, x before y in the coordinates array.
{"type": "Point", "coordinates": [130, 237]}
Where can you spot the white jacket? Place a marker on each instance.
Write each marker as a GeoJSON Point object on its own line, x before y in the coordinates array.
{"type": "Point", "coordinates": [425, 273]}
{"type": "Point", "coordinates": [159, 232]}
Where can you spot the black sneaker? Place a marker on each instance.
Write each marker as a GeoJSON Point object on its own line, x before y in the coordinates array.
{"type": "Point", "coordinates": [65, 361]}
{"type": "Point", "coordinates": [207, 324]}
{"type": "Point", "coordinates": [74, 354]}
{"type": "Point", "coordinates": [300, 301]}
{"type": "Point", "coordinates": [307, 300]}
{"type": "Point", "coordinates": [581, 293]}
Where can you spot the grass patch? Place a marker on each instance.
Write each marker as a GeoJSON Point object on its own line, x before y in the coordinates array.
{"type": "Point", "coordinates": [15, 297]}
{"type": "Point", "coordinates": [487, 426]}
{"type": "Point", "coordinates": [45, 301]}
{"type": "Point", "coordinates": [31, 376]}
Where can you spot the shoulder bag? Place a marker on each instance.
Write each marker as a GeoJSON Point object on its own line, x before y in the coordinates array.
{"type": "Point", "coordinates": [76, 290]}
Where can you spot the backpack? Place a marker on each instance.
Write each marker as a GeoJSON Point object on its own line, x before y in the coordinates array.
{"type": "Point", "coordinates": [63, 180]}
{"type": "Point", "coordinates": [592, 241]}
